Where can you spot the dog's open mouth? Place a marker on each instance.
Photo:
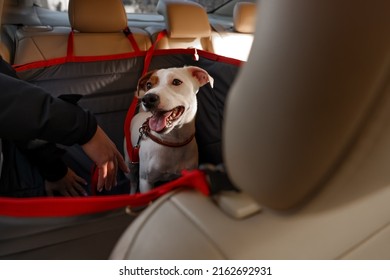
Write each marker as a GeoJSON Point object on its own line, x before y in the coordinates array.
{"type": "Point", "coordinates": [161, 120]}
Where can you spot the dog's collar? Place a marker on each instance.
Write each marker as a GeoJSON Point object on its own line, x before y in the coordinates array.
{"type": "Point", "coordinates": [145, 130]}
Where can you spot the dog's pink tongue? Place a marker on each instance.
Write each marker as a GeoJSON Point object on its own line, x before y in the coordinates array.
{"type": "Point", "coordinates": [158, 121]}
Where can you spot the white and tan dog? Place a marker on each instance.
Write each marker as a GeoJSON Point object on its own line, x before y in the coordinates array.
{"type": "Point", "coordinates": [165, 130]}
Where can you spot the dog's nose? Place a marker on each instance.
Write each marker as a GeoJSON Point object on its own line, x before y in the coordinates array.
{"type": "Point", "coordinates": [151, 100]}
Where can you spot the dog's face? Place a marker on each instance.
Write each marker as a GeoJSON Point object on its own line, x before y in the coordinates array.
{"type": "Point", "coordinates": [170, 95]}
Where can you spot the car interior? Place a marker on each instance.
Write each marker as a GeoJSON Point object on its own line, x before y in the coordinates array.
{"type": "Point", "coordinates": [305, 132]}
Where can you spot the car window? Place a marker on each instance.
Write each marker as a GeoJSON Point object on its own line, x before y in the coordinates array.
{"type": "Point", "coordinates": [132, 6]}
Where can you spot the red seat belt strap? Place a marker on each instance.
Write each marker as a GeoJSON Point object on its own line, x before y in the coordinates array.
{"type": "Point", "coordinates": [133, 106]}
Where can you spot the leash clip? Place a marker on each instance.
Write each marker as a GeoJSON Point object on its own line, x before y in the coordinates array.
{"type": "Point", "coordinates": [141, 133]}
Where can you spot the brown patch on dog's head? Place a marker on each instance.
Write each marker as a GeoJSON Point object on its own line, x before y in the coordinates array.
{"type": "Point", "coordinates": [146, 82]}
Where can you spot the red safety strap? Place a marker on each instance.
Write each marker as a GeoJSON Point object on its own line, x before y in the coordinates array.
{"type": "Point", "coordinates": [132, 40]}
{"type": "Point", "coordinates": [149, 53]}
{"type": "Point", "coordinates": [129, 116]}
{"type": "Point", "coordinates": [70, 47]}
{"type": "Point", "coordinates": [133, 154]}
{"type": "Point", "coordinates": [66, 207]}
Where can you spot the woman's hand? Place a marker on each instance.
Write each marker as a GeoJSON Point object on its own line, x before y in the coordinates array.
{"type": "Point", "coordinates": [69, 185]}
{"type": "Point", "coordinates": [103, 152]}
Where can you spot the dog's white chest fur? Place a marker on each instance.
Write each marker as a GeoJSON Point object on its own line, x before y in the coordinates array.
{"type": "Point", "coordinates": [167, 146]}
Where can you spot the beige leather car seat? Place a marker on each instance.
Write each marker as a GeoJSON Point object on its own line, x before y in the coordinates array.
{"type": "Point", "coordinates": [306, 135]}
{"type": "Point", "coordinates": [187, 26]}
{"type": "Point", "coordinates": [98, 25]}
{"type": "Point", "coordinates": [236, 43]}
{"type": "Point", "coordinates": [100, 31]}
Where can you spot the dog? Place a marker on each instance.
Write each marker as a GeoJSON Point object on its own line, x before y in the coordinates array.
{"type": "Point", "coordinates": [164, 128]}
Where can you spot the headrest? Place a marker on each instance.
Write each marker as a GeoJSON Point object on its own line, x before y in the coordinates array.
{"type": "Point", "coordinates": [302, 99]}
{"type": "Point", "coordinates": [185, 19]}
{"type": "Point", "coordinates": [244, 14]}
{"type": "Point", "coordinates": [97, 16]}
{"type": "Point", "coordinates": [162, 5]}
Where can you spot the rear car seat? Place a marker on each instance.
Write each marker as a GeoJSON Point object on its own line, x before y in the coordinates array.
{"type": "Point", "coordinates": [24, 15]}
{"type": "Point", "coordinates": [236, 43]}
{"type": "Point", "coordinates": [187, 26]}
{"type": "Point", "coordinates": [99, 30]}
{"type": "Point", "coordinates": [39, 43]}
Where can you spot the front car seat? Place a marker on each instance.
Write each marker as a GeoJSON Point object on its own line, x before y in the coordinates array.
{"type": "Point", "coordinates": [307, 136]}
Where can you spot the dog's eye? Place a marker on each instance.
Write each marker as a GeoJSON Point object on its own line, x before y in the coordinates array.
{"type": "Point", "coordinates": [176, 82]}
{"type": "Point", "coordinates": [148, 85]}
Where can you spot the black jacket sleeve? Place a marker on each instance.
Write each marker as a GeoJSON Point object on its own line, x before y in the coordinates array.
{"type": "Point", "coordinates": [47, 157]}
{"type": "Point", "coordinates": [28, 112]}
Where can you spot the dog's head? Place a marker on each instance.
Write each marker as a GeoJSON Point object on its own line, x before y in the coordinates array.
{"type": "Point", "coordinates": [170, 95]}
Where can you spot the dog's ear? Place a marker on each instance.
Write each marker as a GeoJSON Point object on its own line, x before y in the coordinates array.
{"type": "Point", "coordinates": [200, 75]}
{"type": "Point", "coordinates": [141, 87]}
